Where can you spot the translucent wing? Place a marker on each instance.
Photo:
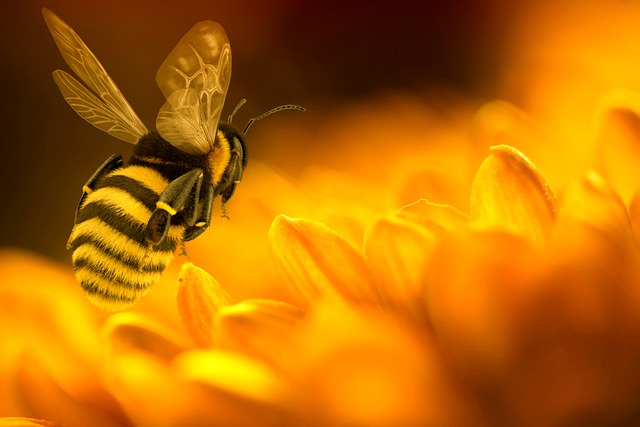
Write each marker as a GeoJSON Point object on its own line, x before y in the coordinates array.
{"type": "Point", "coordinates": [109, 110]}
{"type": "Point", "coordinates": [194, 78]}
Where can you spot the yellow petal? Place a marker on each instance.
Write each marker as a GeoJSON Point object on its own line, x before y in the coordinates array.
{"type": "Point", "coordinates": [318, 263]}
{"type": "Point", "coordinates": [263, 329]}
{"type": "Point", "coordinates": [508, 193]}
{"type": "Point", "coordinates": [45, 397]}
{"type": "Point", "coordinates": [397, 250]}
{"type": "Point", "coordinates": [617, 139]}
{"type": "Point", "coordinates": [26, 422]}
{"type": "Point", "coordinates": [200, 297]}
{"type": "Point", "coordinates": [127, 332]}
{"type": "Point", "coordinates": [229, 389]}
{"type": "Point", "coordinates": [479, 288]}
{"type": "Point", "coordinates": [592, 202]}
{"type": "Point", "coordinates": [366, 368]}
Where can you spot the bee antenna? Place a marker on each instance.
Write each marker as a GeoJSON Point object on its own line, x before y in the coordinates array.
{"type": "Point", "coordinates": [235, 110]}
{"type": "Point", "coordinates": [268, 113]}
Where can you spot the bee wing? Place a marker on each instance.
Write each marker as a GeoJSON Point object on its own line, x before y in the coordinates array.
{"type": "Point", "coordinates": [194, 78]}
{"type": "Point", "coordinates": [109, 111]}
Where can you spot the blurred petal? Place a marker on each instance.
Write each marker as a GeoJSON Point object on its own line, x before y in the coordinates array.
{"type": "Point", "coordinates": [26, 422]}
{"type": "Point", "coordinates": [368, 369]}
{"type": "Point", "coordinates": [44, 397]}
{"type": "Point", "coordinates": [137, 365]}
{"type": "Point", "coordinates": [509, 194]}
{"type": "Point", "coordinates": [440, 219]}
{"type": "Point", "coordinates": [123, 332]}
{"type": "Point", "coordinates": [396, 250]}
{"type": "Point", "coordinates": [592, 202]}
{"type": "Point", "coordinates": [231, 390]}
{"type": "Point", "coordinates": [617, 139]}
{"type": "Point", "coordinates": [262, 329]}
{"type": "Point", "coordinates": [479, 289]}
{"type": "Point", "coordinates": [318, 262]}
{"type": "Point", "coordinates": [200, 297]}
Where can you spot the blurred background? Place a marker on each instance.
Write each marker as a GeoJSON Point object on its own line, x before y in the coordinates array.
{"type": "Point", "coordinates": [326, 56]}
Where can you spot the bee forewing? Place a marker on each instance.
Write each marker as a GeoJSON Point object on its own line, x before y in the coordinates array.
{"type": "Point", "coordinates": [199, 65]}
{"type": "Point", "coordinates": [87, 67]}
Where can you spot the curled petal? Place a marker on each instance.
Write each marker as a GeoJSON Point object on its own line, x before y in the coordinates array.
{"type": "Point", "coordinates": [200, 297]}
{"type": "Point", "coordinates": [318, 263]}
{"type": "Point", "coordinates": [263, 329]}
{"type": "Point", "coordinates": [508, 193]}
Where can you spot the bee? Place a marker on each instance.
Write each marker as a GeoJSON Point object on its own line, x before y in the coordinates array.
{"type": "Point", "coordinates": [130, 219]}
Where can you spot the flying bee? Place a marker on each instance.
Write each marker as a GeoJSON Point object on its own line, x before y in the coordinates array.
{"type": "Point", "coordinates": [130, 219]}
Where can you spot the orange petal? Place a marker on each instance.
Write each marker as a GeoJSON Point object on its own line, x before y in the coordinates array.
{"type": "Point", "coordinates": [131, 331]}
{"type": "Point", "coordinates": [200, 297]}
{"type": "Point", "coordinates": [617, 136]}
{"type": "Point", "coordinates": [229, 389]}
{"type": "Point", "coordinates": [396, 250]}
{"type": "Point", "coordinates": [45, 397]}
{"type": "Point", "coordinates": [367, 368]}
{"type": "Point", "coordinates": [508, 193]}
{"type": "Point", "coordinates": [478, 293]}
{"type": "Point", "coordinates": [592, 202]}
{"type": "Point", "coordinates": [263, 329]}
{"type": "Point", "coordinates": [318, 263]}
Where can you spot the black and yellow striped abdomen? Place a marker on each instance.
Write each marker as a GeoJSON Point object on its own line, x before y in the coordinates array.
{"type": "Point", "coordinates": [112, 260]}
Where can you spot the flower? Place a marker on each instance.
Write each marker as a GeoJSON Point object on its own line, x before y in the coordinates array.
{"type": "Point", "coordinates": [489, 277]}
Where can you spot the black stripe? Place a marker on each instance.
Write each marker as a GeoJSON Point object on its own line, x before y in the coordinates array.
{"type": "Point", "coordinates": [119, 257]}
{"type": "Point", "coordinates": [122, 223]}
{"type": "Point", "coordinates": [118, 220]}
{"type": "Point", "coordinates": [135, 188]}
{"type": "Point", "coordinates": [95, 289]}
{"type": "Point", "coordinates": [111, 276]}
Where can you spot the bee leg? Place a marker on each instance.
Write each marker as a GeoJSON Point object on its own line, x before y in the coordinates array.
{"type": "Point", "coordinates": [203, 219]}
{"type": "Point", "coordinates": [174, 198]}
{"type": "Point", "coordinates": [112, 163]}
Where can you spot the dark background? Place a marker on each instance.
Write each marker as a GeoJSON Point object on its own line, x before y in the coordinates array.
{"type": "Point", "coordinates": [316, 54]}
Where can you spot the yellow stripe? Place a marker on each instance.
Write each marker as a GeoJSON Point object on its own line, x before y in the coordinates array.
{"type": "Point", "coordinates": [148, 177]}
{"type": "Point", "coordinates": [117, 241]}
{"type": "Point", "coordinates": [219, 158]}
{"type": "Point", "coordinates": [111, 238]}
{"type": "Point", "coordinates": [166, 207]}
{"type": "Point", "coordinates": [85, 275]}
{"type": "Point", "coordinates": [122, 201]}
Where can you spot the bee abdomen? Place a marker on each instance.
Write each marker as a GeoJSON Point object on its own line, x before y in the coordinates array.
{"type": "Point", "coordinates": [112, 260]}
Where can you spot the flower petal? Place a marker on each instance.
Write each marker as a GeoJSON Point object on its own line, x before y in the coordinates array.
{"type": "Point", "coordinates": [263, 329]}
{"type": "Point", "coordinates": [396, 250]}
{"type": "Point", "coordinates": [367, 368]}
{"type": "Point", "coordinates": [592, 202]}
{"type": "Point", "coordinates": [318, 263]}
{"type": "Point", "coordinates": [229, 389]}
{"type": "Point", "coordinates": [26, 422]}
{"type": "Point", "coordinates": [509, 193]}
{"type": "Point", "coordinates": [43, 396]}
{"type": "Point", "coordinates": [200, 297]}
{"type": "Point", "coordinates": [616, 134]}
